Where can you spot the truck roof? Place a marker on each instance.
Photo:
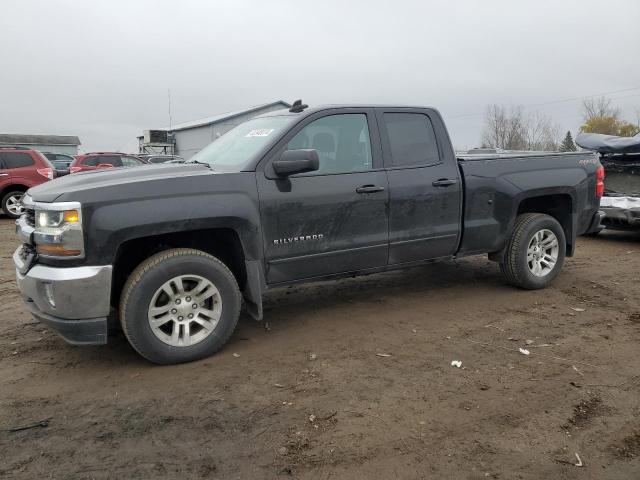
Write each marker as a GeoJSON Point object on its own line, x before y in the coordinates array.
{"type": "Point", "coordinates": [320, 108]}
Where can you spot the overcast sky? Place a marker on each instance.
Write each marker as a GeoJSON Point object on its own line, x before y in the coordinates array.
{"type": "Point", "coordinates": [101, 70]}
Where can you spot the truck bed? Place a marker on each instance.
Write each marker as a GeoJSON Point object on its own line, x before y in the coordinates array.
{"type": "Point", "coordinates": [496, 184]}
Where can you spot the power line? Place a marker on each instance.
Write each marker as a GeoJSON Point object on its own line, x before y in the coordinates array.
{"type": "Point", "coordinates": [571, 99]}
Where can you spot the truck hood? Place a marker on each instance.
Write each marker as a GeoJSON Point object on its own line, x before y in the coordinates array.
{"type": "Point", "coordinates": [91, 180]}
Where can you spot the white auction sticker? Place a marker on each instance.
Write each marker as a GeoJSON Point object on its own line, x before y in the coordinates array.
{"type": "Point", "coordinates": [262, 132]}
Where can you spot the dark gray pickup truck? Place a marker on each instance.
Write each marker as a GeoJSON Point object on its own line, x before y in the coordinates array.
{"type": "Point", "coordinates": [304, 195]}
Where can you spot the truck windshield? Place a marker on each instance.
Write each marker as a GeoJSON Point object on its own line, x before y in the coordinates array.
{"type": "Point", "coordinates": [235, 149]}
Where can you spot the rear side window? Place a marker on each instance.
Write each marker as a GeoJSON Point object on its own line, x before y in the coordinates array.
{"type": "Point", "coordinates": [91, 161]}
{"type": "Point", "coordinates": [412, 139]}
{"type": "Point", "coordinates": [111, 160]}
{"type": "Point", "coordinates": [16, 159]}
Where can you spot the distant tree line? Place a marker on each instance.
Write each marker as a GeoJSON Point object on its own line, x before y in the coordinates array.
{"type": "Point", "coordinates": [513, 129]}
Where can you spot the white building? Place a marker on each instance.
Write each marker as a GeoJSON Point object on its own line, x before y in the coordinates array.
{"type": "Point", "coordinates": [45, 143]}
{"type": "Point", "coordinates": [188, 138]}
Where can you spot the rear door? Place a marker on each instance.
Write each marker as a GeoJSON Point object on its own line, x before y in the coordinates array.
{"type": "Point", "coordinates": [5, 174]}
{"type": "Point", "coordinates": [424, 185]}
{"type": "Point", "coordinates": [332, 220]}
{"type": "Point", "coordinates": [21, 168]}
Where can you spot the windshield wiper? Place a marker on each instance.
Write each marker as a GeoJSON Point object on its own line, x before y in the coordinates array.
{"type": "Point", "coordinates": [199, 163]}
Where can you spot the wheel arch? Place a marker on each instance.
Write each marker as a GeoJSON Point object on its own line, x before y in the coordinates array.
{"type": "Point", "coordinates": [222, 243]}
{"type": "Point", "coordinates": [557, 205]}
{"type": "Point", "coordinates": [14, 187]}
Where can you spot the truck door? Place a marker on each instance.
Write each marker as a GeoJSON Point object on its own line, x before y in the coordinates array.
{"type": "Point", "coordinates": [5, 174]}
{"type": "Point", "coordinates": [424, 185]}
{"type": "Point", "coordinates": [332, 220]}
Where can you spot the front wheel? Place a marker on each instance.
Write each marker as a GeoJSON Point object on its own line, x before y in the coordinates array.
{"type": "Point", "coordinates": [179, 305]}
{"type": "Point", "coordinates": [535, 252]}
{"type": "Point", "coordinates": [12, 204]}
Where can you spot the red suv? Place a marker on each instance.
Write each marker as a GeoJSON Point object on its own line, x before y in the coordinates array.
{"type": "Point", "coordinates": [21, 169]}
{"type": "Point", "coordinates": [99, 160]}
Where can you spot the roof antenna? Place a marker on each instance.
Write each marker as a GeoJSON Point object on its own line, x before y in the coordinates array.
{"type": "Point", "coordinates": [298, 106]}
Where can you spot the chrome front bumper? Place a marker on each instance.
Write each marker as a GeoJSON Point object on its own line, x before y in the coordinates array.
{"type": "Point", "coordinates": [75, 300]}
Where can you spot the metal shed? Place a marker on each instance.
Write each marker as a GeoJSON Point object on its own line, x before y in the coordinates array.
{"type": "Point", "coordinates": [45, 143]}
{"type": "Point", "coordinates": [189, 138]}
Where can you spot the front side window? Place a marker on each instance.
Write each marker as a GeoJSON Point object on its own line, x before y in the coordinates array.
{"type": "Point", "coordinates": [16, 159]}
{"type": "Point", "coordinates": [412, 139]}
{"type": "Point", "coordinates": [342, 142]}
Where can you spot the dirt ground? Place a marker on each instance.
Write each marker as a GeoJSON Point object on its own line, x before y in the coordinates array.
{"type": "Point", "coordinates": [353, 380]}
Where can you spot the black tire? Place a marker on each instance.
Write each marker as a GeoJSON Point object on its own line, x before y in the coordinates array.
{"type": "Point", "coordinates": [149, 276]}
{"type": "Point", "coordinates": [514, 265]}
{"type": "Point", "coordinates": [5, 200]}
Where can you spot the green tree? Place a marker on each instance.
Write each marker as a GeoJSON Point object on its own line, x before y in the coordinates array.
{"type": "Point", "coordinates": [609, 125]}
{"type": "Point", "coordinates": [567, 144]}
{"type": "Point", "coordinates": [628, 130]}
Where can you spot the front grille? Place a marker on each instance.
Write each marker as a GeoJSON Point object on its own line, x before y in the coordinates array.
{"type": "Point", "coordinates": [30, 216]}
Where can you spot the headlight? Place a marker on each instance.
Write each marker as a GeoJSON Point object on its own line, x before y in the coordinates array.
{"type": "Point", "coordinates": [58, 229]}
{"type": "Point", "coordinates": [54, 219]}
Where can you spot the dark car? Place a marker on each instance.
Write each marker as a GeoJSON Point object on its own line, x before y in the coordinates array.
{"type": "Point", "coordinates": [60, 161]}
{"type": "Point", "coordinates": [285, 198]}
{"type": "Point", "coordinates": [20, 169]}
{"type": "Point", "coordinates": [620, 157]}
{"type": "Point", "coordinates": [98, 160]}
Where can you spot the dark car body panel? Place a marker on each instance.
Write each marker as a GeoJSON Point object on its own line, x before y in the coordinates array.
{"type": "Point", "coordinates": [425, 201]}
{"type": "Point", "coordinates": [119, 206]}
{"type": "Point", "coordinates": [495, 187]}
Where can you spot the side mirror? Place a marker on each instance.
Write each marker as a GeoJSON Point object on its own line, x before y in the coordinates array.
{"type": "Point", "coordinates": [296, 161]}
{"type": "Point", "coordinates": [105, 165]}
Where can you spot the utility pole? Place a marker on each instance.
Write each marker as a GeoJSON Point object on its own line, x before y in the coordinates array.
{"type": "Point", "coordinates": [169, 99]}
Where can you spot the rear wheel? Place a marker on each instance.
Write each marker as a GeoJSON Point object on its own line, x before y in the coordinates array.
{"type": "Point", "coordinates": [11, 204]}
{"type": "Point", "coordinates": [179, 305]}
{"type": "Point", "coordinates": [535, 252]}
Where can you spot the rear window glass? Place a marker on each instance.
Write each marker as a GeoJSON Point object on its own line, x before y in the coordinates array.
{"type": "Point", "coordinates": [412, 139]}
{"type": "Point", "coordinates": [95, 160]}
{"type": "Point", "coordinates": [16, 159]}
